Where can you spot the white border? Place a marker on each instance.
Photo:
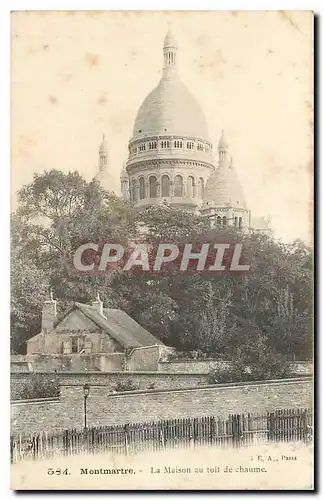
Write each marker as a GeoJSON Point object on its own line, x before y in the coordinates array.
{"type": "Point", "coordinates": [5, 8]}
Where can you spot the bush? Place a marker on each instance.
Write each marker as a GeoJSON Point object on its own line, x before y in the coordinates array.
{"type": "Point", "coordinates": [193, 355]}
{"type": "Point", "coordinates": [126, 386]}
{"type": "Point", "coordinates": [37, 386]}
{"type": "Point", "coordinates": [255, 360]}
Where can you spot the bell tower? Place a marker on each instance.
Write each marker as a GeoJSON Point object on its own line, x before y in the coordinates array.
{"type": "Point", "coordinates": [170, 49]}
{"type": "Point", "coordinates": [124, 183]}
{"type": "Point", "coordinates": [103, 154]}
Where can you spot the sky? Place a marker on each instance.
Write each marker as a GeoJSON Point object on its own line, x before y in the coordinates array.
{"type": "Point", "coordinates": [77, 75]}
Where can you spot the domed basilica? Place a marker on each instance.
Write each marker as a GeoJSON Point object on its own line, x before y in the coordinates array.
{"type": "Point", "coordinates": [171, 156]}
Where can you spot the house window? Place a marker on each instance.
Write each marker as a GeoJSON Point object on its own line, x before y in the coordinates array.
{"type": "Point", "coordinates": [88, 346]}
{"type": "Point", "coordinates": [78, 345]}
{"type": "Point", "coordinates": [74, 344]}
{"type": "Point", "coordinates": [190, 145]}
{"type": "Point", "coordinates": [66, 347]}
{"type": "Point", "coordinates": [178, 144]}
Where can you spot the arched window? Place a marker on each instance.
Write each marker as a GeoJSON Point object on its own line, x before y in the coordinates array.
{"type": "Point", "coordinates": [178, 186]}
{"type": "Point", "coordinates": [219, 221]}
{"type": "Point", "coordinates": [240, 221]}
{"type": "Point", "coordinates": [152, 187]}
{"type": "Point", "coordinates": [190, 187]}
{"type": "Point", "coordinates": [235, 221]}
{"type": "Point", "coordinates": [200, 187]}
{"type": "Point", "coordinates": [165, 183]}
{"type": "Point", "coordinates": [224, 221]}
{"type": "Point", "coordinates": [134, 190]}
{"type": "Point", "coordinates": [141, 188]}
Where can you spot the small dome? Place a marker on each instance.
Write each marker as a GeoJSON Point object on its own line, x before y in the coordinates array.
{"type": "Point", "coordinates": [223, 144]}
{"type": "Point", "coordinates": [106, 180]}
{"type": "Point", "coordinates": [170, 40]}
{"type": "Point", "coordinates": [223, 188]}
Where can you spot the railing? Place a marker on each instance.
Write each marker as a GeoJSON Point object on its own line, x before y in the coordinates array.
{"type": "Point", "coordinates": [235, 430]}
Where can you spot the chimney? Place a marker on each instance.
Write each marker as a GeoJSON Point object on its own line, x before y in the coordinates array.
{"type": "Point", "coordinates": [49, 314]}
{"type": "Point", "coordinates": [98, 305]}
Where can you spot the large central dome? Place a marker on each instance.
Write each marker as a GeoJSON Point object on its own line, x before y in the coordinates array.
{"type": "Point", "coordinates": [170, 154]}
{"type": "Point", "coordinates": [170, 109]}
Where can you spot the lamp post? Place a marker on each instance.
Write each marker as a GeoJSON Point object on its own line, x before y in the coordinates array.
{"type": "Point", "coordinates": [86, 390]}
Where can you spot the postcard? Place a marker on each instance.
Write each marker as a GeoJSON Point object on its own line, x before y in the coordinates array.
{"type": "Point", "coordinates": [162, 250]}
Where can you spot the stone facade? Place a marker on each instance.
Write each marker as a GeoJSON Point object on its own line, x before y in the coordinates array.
{"type": "Point", "coordinates": [141, 359]}
{"type": "Point", "coordinates": [90, 338]}
{"type": "Point", "coordinates": [171, 158]}
{"type": "Point", "coordinates": [170, 154]}
{"type": "Point", "coordinates": [74, 333]}
{"type": "Point", "coordinates": [107, 409]}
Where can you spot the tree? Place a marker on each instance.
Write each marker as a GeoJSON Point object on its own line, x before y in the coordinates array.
{"type": "Point", "coordinates": [189, 310]}
{"type": "Point", "coordinates": [57, 213]}
{"type": "Point", "coordinates": [29, 289]}
{"type": "Point", "coordinates": [251, 358]}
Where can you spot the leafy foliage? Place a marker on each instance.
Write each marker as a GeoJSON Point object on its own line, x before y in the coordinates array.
{"type": "Point", "coordinates": [37, 386]}
{"type": "Point", "coordinates": [218, 313]}
{"type": "Point", "coordinates": [126, 386]}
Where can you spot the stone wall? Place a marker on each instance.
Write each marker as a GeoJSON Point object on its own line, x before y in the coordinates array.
{"type": "Point", "coordinates": [143, 380]}
{"type": "Point", "coordinates": [193, 365]}
{"type": "Point", "coordinates": [303, 367]}
{"type": "Point", "coordinates": [206, 365]}
{"type": "Point", "coordinates": [139, 359]}
{"type": "Point", "coordinates": [146, 358]}
{"type": "Point", "coordinates": [44, 363]}
{"type": "Point", "coordinates": [107, 409]}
